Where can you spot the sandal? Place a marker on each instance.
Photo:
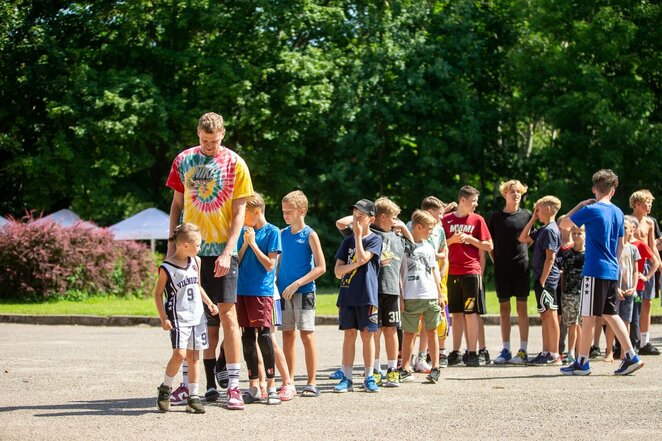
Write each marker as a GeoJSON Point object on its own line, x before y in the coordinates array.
{"type": "Point", "coordinates": [310, 391]}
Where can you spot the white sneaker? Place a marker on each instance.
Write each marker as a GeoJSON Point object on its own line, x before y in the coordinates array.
{"type": "Point", "coordinates": [179, 396]}
{"type": "Point", "coordinates": [422, 366]}
{"type": "Point", "coordinates": [521, 358]}
{"type": "Point", "coordinates": [504, 357]}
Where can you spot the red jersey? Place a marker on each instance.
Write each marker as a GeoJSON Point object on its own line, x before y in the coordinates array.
{"type": "Point", "coordinates": [646, 254]}
{"type": "Point", "coordinates": [463, 258]}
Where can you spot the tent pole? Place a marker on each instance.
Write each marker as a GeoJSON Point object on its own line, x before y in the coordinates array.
{"type": "Point", "coordinates": [152, 242]}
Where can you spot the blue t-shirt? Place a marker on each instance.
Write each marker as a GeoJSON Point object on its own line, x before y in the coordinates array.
{"type": "Point", "coordinates": [359, 287]}
{"type": "Point", "coordinates": [546, 238]}
{"type": "Point", "coordinates": [604, 228]}
{"type": "Point", "coordinates": [254, 280]}
{"type": "Point", "coordinates": [297, 259]}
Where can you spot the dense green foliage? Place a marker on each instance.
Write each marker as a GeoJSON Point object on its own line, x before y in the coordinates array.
{"type": "Point", "coordinates": [343, 99]}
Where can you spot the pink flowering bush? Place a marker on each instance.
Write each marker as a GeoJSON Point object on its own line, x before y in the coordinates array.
{"type": "Point", "coordinates": [41, 260]}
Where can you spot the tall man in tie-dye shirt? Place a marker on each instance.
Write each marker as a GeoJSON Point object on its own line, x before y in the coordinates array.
{"type": "Point", "coordinates": [211, 184]}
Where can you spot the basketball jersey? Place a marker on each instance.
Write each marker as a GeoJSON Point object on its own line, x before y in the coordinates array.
{"type": "Point", "coordinates": [183, 301]}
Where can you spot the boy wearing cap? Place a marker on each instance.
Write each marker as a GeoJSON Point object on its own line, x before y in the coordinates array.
{"type": "Point", "coordinates": [357, 267]}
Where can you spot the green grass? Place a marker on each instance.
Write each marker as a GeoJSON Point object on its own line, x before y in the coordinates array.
{"type": "Point", "coordinates": [107, 306]}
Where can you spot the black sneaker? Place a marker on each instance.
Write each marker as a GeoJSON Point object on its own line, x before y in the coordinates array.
{"type": "Point", "coordinates": [434, 375]}
{"type": "Point", "coordinates": [594, 353]}
{"type": "Point", "coordinates": [649, 349]}
{"type": "Point", "coordinates": [211, 395]}
{"type": "Point", "coordinates": [406, 376]}
{"type": "Point", "coordinates": [484, 356]}
{"type": "Point", "coordinates": [617, 352]}
{"type": "Point", "coordinates": [454, 358]}
{"type": "Point", "coordinates": [194, 405]}
{"type": "Point", "coordinates": [538, 360]}
{"type": "Point", "coordinates": [465, 356]}
{"type": "Point", "coordinates": [163, 399]}
{"type": "Point", "coordinates": [443, 360]}
{"type": "Point", "coordinates": [472, 359]}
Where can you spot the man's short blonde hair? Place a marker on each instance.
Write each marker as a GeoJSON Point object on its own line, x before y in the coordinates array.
{"type": "Point", "coordinates": [550, 201]}
{"type": "Point", "coordinates": [422, 217]}
{"type": "Point", "coordinates": [386, 206]}
{"type": "Point", "coordinates": [296, 198]}
{"type": "Point", "coordinates": [505, 186]}
{"type": "Point", "coordinates": [641, 196]}
{"type": "Point", "coordinates": [255, 201]}
{"type": "Point", "coordinates": [211, 123]}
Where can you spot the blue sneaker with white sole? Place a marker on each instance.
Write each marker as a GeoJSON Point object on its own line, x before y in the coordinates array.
{"type": "Point", "coordinates": [370, 385]}
{"type": "Point", "coordinates": [336, 375]}
{"type": "Point", "coordinates": [504, 357]}
{"type": "Point", "coordinates": [576, 369]}
{"type": "Point", "coordinates": [345, 385]}
{"type": "Point", "coordinates": [629, 365]}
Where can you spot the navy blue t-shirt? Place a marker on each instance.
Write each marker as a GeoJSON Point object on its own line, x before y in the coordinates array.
{"type": "Point", "coordinates": [359, 287]}
{"type": "Point", "coordinates": [546, 238]}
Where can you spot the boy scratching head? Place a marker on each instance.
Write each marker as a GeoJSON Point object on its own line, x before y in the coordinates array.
{"type": "Point", "coordinates": [547, 207]}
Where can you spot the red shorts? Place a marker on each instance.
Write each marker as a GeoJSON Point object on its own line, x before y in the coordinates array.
{"type": "Point", "coordinates": [255, 311]}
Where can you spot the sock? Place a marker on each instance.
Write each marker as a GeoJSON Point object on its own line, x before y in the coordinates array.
{"type": "Point", "coordinates": [193, 389]}
{"type": "Point", "coordinates": [210, 365]}
{"type": "Point", "coordinates": [377, 365]}
{"type": "Point", "coordinates": [253, 391]}
{"type": "Point", "coordinates": [630, 354]}
{"type": "Point", "coordinates": [506, 345]}
{"type": "Point", "coordinates": [367, 371]}
{"type": "Point", "coordinates": [582, 359]}
{"type": "Point", "coordinates": [571, 353]}
{"type": "Point", "coordinates": [185, 373]}
{"type": "Point", "coordinates": [233, 374]}
{"type": "Point", "coordinates": [347, 370]}
{"type": "Point", "coordinates": [442, 351]}
{"type": "Point", "coordinates": [422, 356]}
{"type": "Point", "coordinates": [554, 355]}
{"type": "Point", "coordinates": [271, 390]}
{"type": "Point", "coordinates": [392, 364]}
{"type": "Point", "coordinates": [167, 381]}
{"type": "Point", "coordinates": [644, 338]}
{"type": "Point", "coordinates": [523, 345]}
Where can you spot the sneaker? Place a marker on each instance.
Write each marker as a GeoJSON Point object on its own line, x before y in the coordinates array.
{"type": "Point", "coordinates": [538, 360]}
{"type": "Point", "coordinates": [569, 359]}
{"type": "Point", "coordinates": [345, 385]}
{"type": "Point", "coordinates": [287, 393]}
{"type": "Point", "coordinates": [392, 378]}
{"type": "Point", "coordinates": [249, 398]}
{"type": "Point", "coordinates": [434, 375]}
{"type": "Point", "coordinates": [649, 349]}
{"type": "Point", "coordinates": [617, 352]}
{"type": "Point", "coordinates": [629, 365]}
{"type": "Point", "coordinates": [378, 374]}
{"type": "Point", "coordinates": [504, 357]}
{"type": "Point", "coordinates": [484, 357]}
{"type": "Point", "coordinates": [454, 358]}
{"type": "Point", "coordinates": [336, 375]}
{"type": "Point", "coordinates": [465, 356]}
{"type": "Point", "coordinates": [163, 398]}
{"type": "Point", "coordinates": [370, 385]}
{"type": "Point", "coordinates": [194, 405]}
{"type": "Point", "coordinates": [553, 361]}
{"type": "Point", "coordinates": [222, 377]}
{"type": "Point", "coordinates": [594, 353]}
{"type": "Point", "coordinates": [211, 395]}
{"type": "Point", "coordinates": [180, 396]}
{"type": "Point", "coordinates": [443, 360]}
{"type": "Point", "coordinates": [576, 369]}
{"type": "Point", "coordinates": [472, 359]}
{"type": "Point", "coordinates": [520, 358]}
{"type": "Point", "coordinates": [234, 400]}
{"type": "Point", "coordinates": [406, 376]}
{"type": "Point", "coordinates": [273, 398]}
{"type": "Point", "coordinates": [421, 366]}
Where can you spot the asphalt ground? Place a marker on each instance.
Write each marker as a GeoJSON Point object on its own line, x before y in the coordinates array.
{"type": "Point", "coordinates": [99, 383]}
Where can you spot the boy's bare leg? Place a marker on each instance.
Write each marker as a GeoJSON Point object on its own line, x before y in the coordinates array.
{"type": "Point", "coordinates": [620, 330]}
{"type": "Point", "coordinates": [586, 338]}
{"type": "Point", "coordinates": [390, 342]}
{"type": "Point", "coordinates": [281, 363]}
{"type": "Point", "coordinates": [348, 350]}
{"type": "Point", "coordinates": [407, 349]}
{"type": "Point", "coordinates": [645, 320]}
{"type": "Point", "coordinates": [310, 350]}
{"type": "Point", "coordinates": [377, 336]}
{"type": "Point", "coordinates": [544, 325]}
{"type": "Point", "coordinates": [193, 360]}
{"type": "Point", "coordinates": [573, 338]}
{"type": "Point", "coordinates": [481, 332]}
{"type": "Point", "coordinates": [434, 346]}
{"type": "Point", "coordinates": [290, 351]}
{"type": "Point", "coordinates": [458, 330]}
{"type": "Point", "coordinates": [175, 362]}
{"type": "Point", "coordinates": [227, 312]}
{"type": "Point", "coordinates": [597, 331]}
{"type": "Point", "coordinates": [504, 320]}
{"type": "Point", "coordinates": [523, 321]}
{"type": "Point", "coordinates": [368, 350]}
{"type": "Point", "coordinates": [422, 338]}
{"type": "Point", "coordinates": [472, 324]}
{"type": "Point", "coordinates": [554, 332]}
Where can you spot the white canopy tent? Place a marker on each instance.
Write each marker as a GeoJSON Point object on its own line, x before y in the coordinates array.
{"type": "Point", "coordinates": [151, 224]}
{"type": "Point", "coordinates": [3, 221]}
{"type": "Point", "coordinates": [67, 218]}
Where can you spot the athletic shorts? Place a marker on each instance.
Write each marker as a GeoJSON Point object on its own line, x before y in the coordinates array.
{"type": "Point", "coordinates": [444, 325]}
{"type": "Point", "coordinates": [571, 303]}
{"type": "Point", "coordinates": [598, 297]}
{"type": "Point", "coordinates": [648, 293]}
{"type": "Point", "coordinates": [464, 294]}
{"type": "Point", "coordinates": [219, 289]}
{"type": "Point", "coordinates": [363, 318]}
{"type": "Point", "coordinates": [546, 297]}
{"type": "Point", "coordinates": [277, 317]}
{"type": "Point", "coordinates": [189, 337]}
{"type": "Point", "coordinates": [429, 309]}
{"type": "Point", "coordinates": [255, 311]}
{"type": "Point", "coordinates": [389, 311]}
{"type": "Point", "coordinates": [512, 285]}
{"type": "Point", "coordinates": [625, 307]}
{"type": "Point", "coordinates": [299, 312]}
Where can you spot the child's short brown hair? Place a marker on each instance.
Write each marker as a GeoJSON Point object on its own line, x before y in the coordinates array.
{"type": "Point", "coordinates": [467, 191]}
{"type": "Point", "coordinates": [431, 203]}
{"type": "Point", "coordinates": [296, 198]}
{"type": "Point", "coordinates": [386, 206]}
{"type": "Point", "coordinates": [184, 232]}
{"type": "Point", "coordinates": [211, 123]}
{"type": "Point", "coordinates": [641, 196]}
{"type": "Point", "coordinates": [550, 201]}
{"type": "Point", "coordinates": [422, 217]}
{"type": "Point", "coordinates": [505, 186]}
{"type": "Point", "coordinates": [605, 180]}
{"type": "Point", "coordinates": [255, 201]}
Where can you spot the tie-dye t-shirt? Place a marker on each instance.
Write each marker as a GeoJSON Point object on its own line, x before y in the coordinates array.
{"type": "Point", "coordinates": [209, 185]}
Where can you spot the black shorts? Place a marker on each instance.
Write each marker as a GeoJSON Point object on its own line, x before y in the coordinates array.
{"type": "Point", "coordinates": [546, 298]}
{"type": "Point", "coordinates": [509, 285]}
{"type": "Point", "coordinates": [389, 311]}
{"type": "Point", "coordinates": [598, 297]}
{"type": "Point", "coordinates": [465, 293]}
{"type": "Point", "coordinates": [219, 289]}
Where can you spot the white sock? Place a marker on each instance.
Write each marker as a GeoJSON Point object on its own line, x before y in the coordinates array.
{"type": "Point", "coordinates": [523, 345]}
{"type": "Point", "coordinates": [167, 381]}
{"type": "Point", "coordinates": [347, 370]}
{"type": "Point", "coordinates": [644, 338]}
{"type": "Point", "coordinates": [554, 355]}
{"type": "Point", "coordinates": [442, 351]}
{"type": "Point", "coordinates": [392, 364]}
{"type": "Point", "coordinates": [233, 374]}
{"type": "Point", "coordinates": [377, 364]}
{"type": "Point", "coordinates": [367, 371]}
{"type": "Point", "coordinates": [194, 389]}
{"type": "Point", "coordinates": [571, 352]}
{"type": "Point", "coordinates": [506, 345]}
{"type": "Point", "coordinates": [253, 391]}
{"type": "Point", "coordinates": [185, 373]}
{"type": "Point", "coordinates": [631, 354]}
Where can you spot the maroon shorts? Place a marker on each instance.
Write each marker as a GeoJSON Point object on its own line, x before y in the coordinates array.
{"type": "Point", "coordinates": [255, 311]}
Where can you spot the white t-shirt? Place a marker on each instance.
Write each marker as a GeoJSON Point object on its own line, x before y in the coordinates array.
{"type": "Point", "coordinates": [420, 268]}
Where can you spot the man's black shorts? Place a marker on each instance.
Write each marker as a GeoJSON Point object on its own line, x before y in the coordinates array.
{"type": "Point", "coordinates": [219, 289]}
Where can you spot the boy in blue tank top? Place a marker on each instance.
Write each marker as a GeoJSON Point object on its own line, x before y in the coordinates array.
{"type": "Point", "coordinates": [300, 265]}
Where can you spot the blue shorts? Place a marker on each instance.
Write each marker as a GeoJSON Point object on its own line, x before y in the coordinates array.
{"type": "Point", "coordinates": [363, 318]}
